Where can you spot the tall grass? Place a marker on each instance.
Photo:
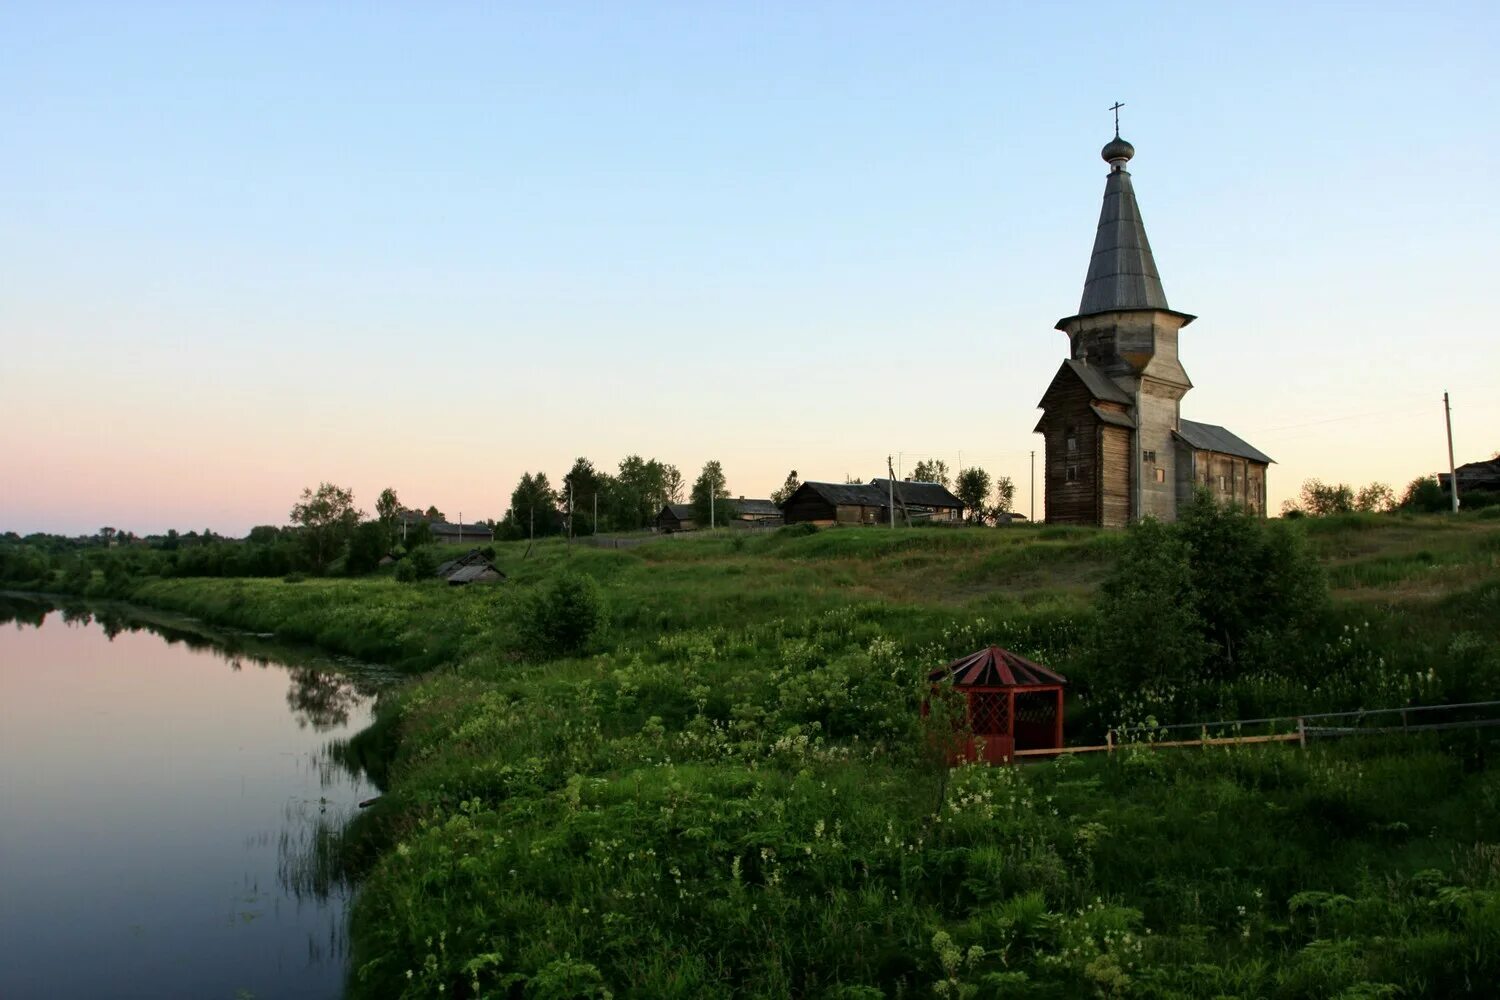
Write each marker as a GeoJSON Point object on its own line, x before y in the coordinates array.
{"type": "Point", "coordinates": [730, 792]}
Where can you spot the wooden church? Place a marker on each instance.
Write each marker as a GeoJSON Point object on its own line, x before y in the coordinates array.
{"type": "Point", "coordinates": [1117, 447]}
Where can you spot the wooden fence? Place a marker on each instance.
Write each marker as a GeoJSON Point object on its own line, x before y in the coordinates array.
{"type": "Point", "coordinates": [1298, 728]}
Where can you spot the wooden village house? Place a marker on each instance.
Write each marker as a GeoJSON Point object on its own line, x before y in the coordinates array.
{"type": "Point", "coordinates": [1117, 448]}
{"type": "Point", "coordinates": [869, 503]}
{"type": "Point", "coordinates": [762, 513]}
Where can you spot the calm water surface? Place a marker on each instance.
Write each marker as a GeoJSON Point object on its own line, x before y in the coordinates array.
{"type": "Point", "coordinates": [159, 801]}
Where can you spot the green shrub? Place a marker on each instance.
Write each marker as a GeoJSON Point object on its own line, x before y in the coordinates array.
{"type": "Point", "coordinates": [419, 564]}
{"type": "Point", "coordinates": [562, 618]}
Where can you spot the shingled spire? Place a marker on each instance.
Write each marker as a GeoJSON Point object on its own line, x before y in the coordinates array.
{"type": "Point", "coordinates": [1122, 272]}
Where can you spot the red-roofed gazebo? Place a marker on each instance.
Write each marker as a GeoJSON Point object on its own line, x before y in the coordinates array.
{"type": "Point", "coordinates": [1011, 703]}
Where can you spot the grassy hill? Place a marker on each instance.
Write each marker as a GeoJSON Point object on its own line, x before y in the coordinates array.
{"type": "Point", "coordinates": [731, 794]}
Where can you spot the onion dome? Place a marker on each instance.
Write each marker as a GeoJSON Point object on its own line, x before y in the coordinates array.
{"type": "Point", "coordinates": [1117, 149]}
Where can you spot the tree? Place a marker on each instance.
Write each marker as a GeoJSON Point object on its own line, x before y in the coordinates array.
{"type": "Point", "coordinates": [433, 514]}
{"type": "Point", "coordinates": [973, 489]}
{"type": "Point", "coordinates": [633, 498]}
{"type": "Point", "coordinates": [672, 483]}
{"type": "Point", "coordinates": [367, 546]}
{"type": "Point", "coordinates": [587, 483]}
{"type": "Point", "coordinates": [1376, 498]}
{"type": "Point", "coordinates": [532, 502]}
{"type": "Point", "coordinates": [1005, 495]}
{"type": "Point", "coordinates": [789, 487]}
{"type": "Point", "coordinates": [264, 534]}
{"type": "Point", "coordinates": [709, 493]}
{"type": "Point", "coordinates": [1424, 495]}
{"type": "Point", "coordinates": [387, 511]}
{"type": "Point", "coordinates": [931, 471]}
{"type": "Point", "coordinates": [1320, 499]}
{"type": "Point", "coordinates": [326, 517]}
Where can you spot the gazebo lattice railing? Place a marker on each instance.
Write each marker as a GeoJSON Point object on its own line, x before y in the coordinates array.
{"type": "Point", "coordinates": [1010, 703]}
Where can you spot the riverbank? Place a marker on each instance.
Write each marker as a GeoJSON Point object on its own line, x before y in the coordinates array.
{"type": "Point", "coordinates": [728, 794]}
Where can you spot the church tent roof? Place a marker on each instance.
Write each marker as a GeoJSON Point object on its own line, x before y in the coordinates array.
{"type": "Point", "coordinates": [1212, 437]}
{"type": "Point", "coordinates": [997, 667]}
{"type": "Point", "coordinates": [1122, 271]}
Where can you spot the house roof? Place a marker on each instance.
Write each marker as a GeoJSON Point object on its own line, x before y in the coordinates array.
{"type": "Point", "coordinates": [1212, 437]}
{"type": "Point", "coordinates": [996, 667]}
{"type": "Point", "coordinates": [681, 511]}
{"type": "Point", "coordinates": [455, 528]}
{"type": "Point", "coordinates": [758, 507]}
{"type": "Point", "coordinates": [478, 571]}
{"type": "Point", "coordinates": [918, 494]}
{"type": "Point", "coordinates": [467, 568]}
{"type": "Point", "coordinates": [862, 494]}
{"type": "Point", "coordinates": [471, 558]}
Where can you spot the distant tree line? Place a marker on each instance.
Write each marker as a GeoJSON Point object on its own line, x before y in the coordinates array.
{"type": "Point", "coordinates": [1423, 495]}
{"type": "Point", "coordinates": [627, 500]}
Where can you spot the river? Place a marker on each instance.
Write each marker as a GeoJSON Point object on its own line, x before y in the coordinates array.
{"type": "Point", "coordinates": [161, 797]}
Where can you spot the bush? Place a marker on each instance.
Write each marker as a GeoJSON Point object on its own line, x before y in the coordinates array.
{"type": "Point", "coordinates": [1425, 496]}
{"type": "Point", "coordinates": [419, 564]}
{"type": "Point", "coordinates": [367, 546]}
{"type": "Point", "coordinates": [1215, 597]}
{"type": "Point", "coordinates": [798, 530]}
{"type": "Point", "coordinates": [563, 618]}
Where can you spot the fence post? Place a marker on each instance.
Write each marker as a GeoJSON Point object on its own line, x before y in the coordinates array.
{"type": "Point", "coordinates": [1109, 741]}
{"type": "Point", "coordinates": [1302, 732]}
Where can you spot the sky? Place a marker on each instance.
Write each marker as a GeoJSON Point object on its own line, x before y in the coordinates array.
{"type": "Point", "coordinates": [246, 248]}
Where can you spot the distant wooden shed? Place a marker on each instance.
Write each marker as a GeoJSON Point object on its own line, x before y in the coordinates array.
{"type": "Point", "coordinates": [473, 567]}
{"type": "Point", "coordinates": [763, 512]}
{"type": "Point", "coordinates": [1010, 703]}
{"type": "Point", "coordinates": [677, 517]}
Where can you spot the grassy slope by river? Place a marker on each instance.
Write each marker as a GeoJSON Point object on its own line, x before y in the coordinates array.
{"type": "Point", "coordinates": [730, 796]}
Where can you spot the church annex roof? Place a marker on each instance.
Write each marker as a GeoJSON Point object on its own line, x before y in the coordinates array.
{"type": "Point", "coordinates": [1212, 437]}
{"type": "Point", "coordinates": [1098, 383]}
{"type": "Point", "coordinates": [1122, 272]}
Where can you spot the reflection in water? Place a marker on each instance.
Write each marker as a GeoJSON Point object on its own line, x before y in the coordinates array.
{"type": "Point", "coordinates": [323, 691]}
{"type": "Point", "coordinates": [169, 830]}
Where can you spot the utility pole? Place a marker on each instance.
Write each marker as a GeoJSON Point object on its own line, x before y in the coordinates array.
{"type": "Point", "coordinates": [596, 512]}
{"type": "Point", "coordinates": [460, 527]}
{"type": "Point", "coordinates": [891, 482]}
{"type": "Point", "coordinates": [1452, 469]}
{"type": "Point", "coordinates": [570, 512]}
{"type": "Point", "coordinates": [1032, 515]}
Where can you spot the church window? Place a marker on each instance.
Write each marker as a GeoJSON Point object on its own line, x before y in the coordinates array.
{"type": "Point", "coordinates": [1221, 482]}
{"type": "Point", "coordinates": [1161, 474]}
{"type": "Point", "coordinates": [1072, 473]}
{"type": "Point", "coordinates": [1149, 457]}
{"type": "Point", "coordinates": [1072, 439]}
